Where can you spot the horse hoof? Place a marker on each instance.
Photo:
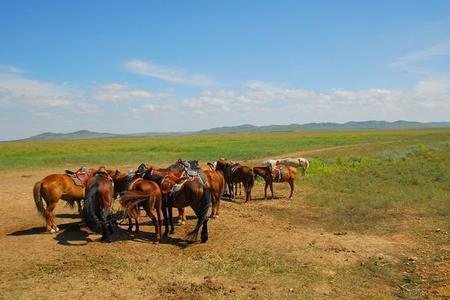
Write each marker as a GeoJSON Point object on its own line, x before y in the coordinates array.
{"type": "Point", "coordinates": [52, 230]}
{"type": "Point", "coordinates": [204, 241]}
{"type": "Point", "coordinates": [156, 242]}
{"type": "Point", "coordinates": [56, 228]}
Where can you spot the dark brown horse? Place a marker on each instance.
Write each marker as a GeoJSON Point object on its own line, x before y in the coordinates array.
{"type": "Point", "coordinates": [144, 194]}
{"type": "Point", "coordinates": [52, 188]}
{"type": "Point", "coordinates": [235, 174]}
{"type": "Point", "coordinates": [98, 203]}
{"type": "Point", "coordinates": [278, 174]}
{"type": "Point", "coordinates": [183, 192]}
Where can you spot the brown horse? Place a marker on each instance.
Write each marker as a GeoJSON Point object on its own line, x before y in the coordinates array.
{"type": "Point", "coordinates": [98, 203]}
{"type": "Point", "coordinates": [145, 194]}
{"type": "Point", "coordinates": [278, 174]}
{"type": "Point", "coordinates": [183, 192]}
{"type": "Point", "coordinates": [216, 185]}
{"type": "Point", "coordinates": [52, 188]}
{"type": "Point", "coordinates": [236, 174]}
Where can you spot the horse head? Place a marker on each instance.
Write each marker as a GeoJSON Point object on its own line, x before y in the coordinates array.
{"type": "Point", "coordinates": [194, 165]}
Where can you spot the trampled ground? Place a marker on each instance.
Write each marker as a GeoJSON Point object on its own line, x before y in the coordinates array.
{"type": "Point", "coordinates": [370, 221]}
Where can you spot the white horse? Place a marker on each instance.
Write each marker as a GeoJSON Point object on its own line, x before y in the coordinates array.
{"type": "Point", "coordinates": [270, 163]}
{"type": "Point", "coordinates": [294, 162]}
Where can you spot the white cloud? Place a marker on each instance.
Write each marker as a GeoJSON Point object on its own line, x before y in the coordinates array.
{"type": "Point", "coordinates": [16, 89]}
{"type": "Point", "coordinates": [11, 69]}
{"type": "Point", "coordinates": [166, 73]}
{"type": "Point", "coordinates": [436, 50]}
{"type": "Point", "coordinates": [117, 92]}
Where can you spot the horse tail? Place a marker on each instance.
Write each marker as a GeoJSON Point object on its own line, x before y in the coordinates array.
{"type": "Point", "coordinates": [130, 201]}
{"type": "Point", "coordinates": [251, 180]}
{"type": "Point", "coordinates": [38, 198]}
{"type": "Point", "coordinates": [89, 214]}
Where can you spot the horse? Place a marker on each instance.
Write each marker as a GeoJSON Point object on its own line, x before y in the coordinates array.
{"type": "Point", "coordinates": [52, 188]}
{"type": "Point", "coordinates": [146, 194]}
{"type": "Point", "coordinates": [183, 192]}
{"type": "Point", "coordinates": [279, 174]}
{"type": "Point", "coordinates": [295, 162]}
{"type": "Point", "coordinates": [124, 183]}
{"type": "Point", "coordinates": [215, 182]}
{"type": "Point", "coordinates": [237, 174]}
{"type": "Point", "coordinates": [98, 203]}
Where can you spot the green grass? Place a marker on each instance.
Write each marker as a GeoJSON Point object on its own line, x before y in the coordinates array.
{"type": "Point", "coordinates": [370, 193]}
{"type": "Point", "coordinates": [120, 151]}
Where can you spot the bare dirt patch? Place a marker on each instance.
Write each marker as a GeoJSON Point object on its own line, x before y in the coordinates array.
{"type": "Point", "coordinates": [251, 254]}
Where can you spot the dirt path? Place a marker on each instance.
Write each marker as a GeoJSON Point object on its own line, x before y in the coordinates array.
{"type": "Point", "coordinates": [312, 152]}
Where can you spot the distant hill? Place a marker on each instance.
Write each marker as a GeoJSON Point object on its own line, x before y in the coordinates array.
{"type": "Point", "coordinates": [327, 126]}
{"type": "Point", "coordinates": [77, 135]}
{"type": "Point", "coordinates": [86, 134]}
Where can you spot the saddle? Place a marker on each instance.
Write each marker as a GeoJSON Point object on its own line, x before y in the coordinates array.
{"type": "Point", "coordinates": [177, 186]}
{"type": "Point", "coordinates": [235, 166]}
{"type": "Point", "coordinates": [277, 173]}
{"type": "Point", "coordinates": [196, 175]}
{"type": "Point", "coordinates": [79, 177]}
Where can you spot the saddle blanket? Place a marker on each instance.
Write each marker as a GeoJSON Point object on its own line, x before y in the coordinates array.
{"type": "Point", "coordinates": [79, 179]}
{"type": "Point", "coordinates": [277, 173]}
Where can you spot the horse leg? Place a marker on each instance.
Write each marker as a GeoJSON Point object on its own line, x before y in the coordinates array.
{"type": "Point", "coordinates": [50, 217]}
{"type": "Point", "coordinates": [181, 216]}
{"type": "Point", "coordinates": [247, 192]}
{"type": "Point", "coordinates": [106, 237]}
{"type": "Point", "coordinates": [130, 225]}
{"type": "Point", "coordinates": [204, 234]}
{"type": "Point", "coordinates": [137, 225]}
{"type": "Point", "coordinates": [213, 209]}
{"type": "Point", "coordinates": [291, 183]}
{"type": "Point", "coordinates": [240, 189]}
{"type": "Point", "coordinates": [230, 189]}
{"type": "Point", "coordinates": [271, 188]}
{"type": "Point", "coordinates": [159, 216]}
{"type": "Point", "coordinates": [79, 206]}
{"type": "Point", "coordinates": [172, 227]}
{"type": "Point", "coordinates": [265, 190]}
{"type": "Point", "coordinates": [166, 219]}
{"type": "Point", "coordinates": [155, 221]}
{"type": "Point", "coordinates": [217, 206]}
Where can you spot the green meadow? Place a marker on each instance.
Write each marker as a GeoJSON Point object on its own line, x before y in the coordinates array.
{"type": "Point", "coordinates": [166, 149]}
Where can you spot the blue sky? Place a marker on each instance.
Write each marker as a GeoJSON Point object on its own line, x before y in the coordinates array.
{"type": "Point", "coordinates": [140, 66]}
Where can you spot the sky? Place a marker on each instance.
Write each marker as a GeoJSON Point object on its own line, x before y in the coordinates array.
{"type": "Point", "coordinates": [139, 66]}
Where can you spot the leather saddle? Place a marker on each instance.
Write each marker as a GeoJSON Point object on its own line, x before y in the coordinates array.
{"type": "Point", "coordinates": [79, 177]}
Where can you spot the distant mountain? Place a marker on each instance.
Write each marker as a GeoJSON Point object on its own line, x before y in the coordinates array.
{"type": "Point", "coordinates": [85, 134]}
{"type": "Point", "coordinates": [77, 135]}
{"type": "Point", "coordinates": [327, 126]}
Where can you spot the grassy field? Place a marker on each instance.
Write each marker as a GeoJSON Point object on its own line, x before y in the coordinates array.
{"type": "Point", "coordinates": [370, 220]}
{"type": "Point", "coordinates": [119, 151]}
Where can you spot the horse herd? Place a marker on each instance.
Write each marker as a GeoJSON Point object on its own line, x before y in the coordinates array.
{"type": "Point", "coordinates": [157, 191]}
